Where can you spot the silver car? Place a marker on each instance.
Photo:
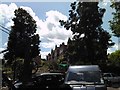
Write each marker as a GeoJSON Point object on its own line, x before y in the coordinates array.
{"type": "Point", "coordinates": [84, 77]}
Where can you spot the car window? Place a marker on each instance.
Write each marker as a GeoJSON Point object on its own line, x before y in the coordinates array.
{"type": "Point", "coordinates": [107, 75]}
{"type": "Point", "coordinates": [114, 75]}
{"type": "Point", "coordinates": [50, 78]}
{"type": "Point", "coordinates": [88, 76]}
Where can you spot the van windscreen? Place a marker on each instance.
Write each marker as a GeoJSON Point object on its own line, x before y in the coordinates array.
{"type": "Point", "coordinates": [87, 76]}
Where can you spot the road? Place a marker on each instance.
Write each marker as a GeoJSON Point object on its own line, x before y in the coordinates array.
{"type": "Point", "coordinates": [114, 87]}
{"type": "Point", "coordinates": [111, 88]}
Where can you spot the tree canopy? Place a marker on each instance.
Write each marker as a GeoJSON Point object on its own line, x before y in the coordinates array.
{"type": "Point", "coordinates": [115, 23]}
{"type": "Point", "coordinates": [23, 42]}
{"type": "Point", "coordinates": [114, 62]}
{"type": "Point", "coordinates": [90, 41]}
{"type": "Point", "coordinates": [114, 58]}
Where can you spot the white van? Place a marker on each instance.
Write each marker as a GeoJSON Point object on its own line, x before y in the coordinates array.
{"type": "Point", "coordinates": [84, 77]}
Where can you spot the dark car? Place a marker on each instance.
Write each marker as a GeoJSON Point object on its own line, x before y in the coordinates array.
{"type": "Point", "coordinates": [111, 78]}
{"type": "Point", "coordinates": [43, 80]}
{"type": "Point", "coordinates": [49, 80]}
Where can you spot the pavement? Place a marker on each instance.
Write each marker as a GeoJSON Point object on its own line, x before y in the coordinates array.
{"type": "Point", "coordinates": [108, 88]}
{"type": "Point", "coordinates": [4, 88]}
{"type": "Point", "coordinates": [111, 88]}
{"type": "Point", "coordinates": [114, 87]}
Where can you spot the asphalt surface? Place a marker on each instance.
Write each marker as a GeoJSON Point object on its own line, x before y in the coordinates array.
{"type": "Point", "coordinates": [113, 87]}
{"type": "Point", "coordinates": [108, 88]}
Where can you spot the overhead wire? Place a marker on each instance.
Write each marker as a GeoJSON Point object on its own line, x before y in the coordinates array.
{"type": "Point", "coordinates": [4, 27]}
{"type": "Point", "coordinates": [4, 31]}
{"type": "Point", "coordinates": [7, 32]}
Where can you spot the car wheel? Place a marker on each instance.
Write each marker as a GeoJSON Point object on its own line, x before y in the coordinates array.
{"type": "Point", "coordinates": [109, 83]}
{"type": "Point", "coordinates": [65, 87]}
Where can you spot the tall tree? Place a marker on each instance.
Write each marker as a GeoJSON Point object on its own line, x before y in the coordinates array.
{"type": "Point", "coordinates": [115, 23]}
{"type": "Point", "coordinates": [22, 41]}
{"type": "Point", "coordinates": [90, 41]}
{"type": "Point", "coordinates": [114, 58]}
{"type": "Point", "coordinates": [114, 62]}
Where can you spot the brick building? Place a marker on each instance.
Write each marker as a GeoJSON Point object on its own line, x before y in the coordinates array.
{"type": "Point", "coordinates": [55, 54]}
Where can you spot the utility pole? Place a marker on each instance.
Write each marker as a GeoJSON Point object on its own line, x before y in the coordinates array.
{"type": "Point", "coordinates": [0, 30]}
{"type": "Point", "coordinates": [0, 58]}
{"type": "Point", "coordinates": [118, 43]}
{"type": "Point", "coordinates": [0, 47]}
{"type": "Point", "coordinates": [0, 38]}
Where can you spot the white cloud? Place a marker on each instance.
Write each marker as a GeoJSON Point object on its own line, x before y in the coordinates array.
{"type": "Point", "coordinates": [115, 46]}
{"type": "Point", "coordinates": [103, 3]}
{"type": "Point", "coordinates": [1, 54]}
{"type": "Point", "coordinates": [112, 49]}
{"type": "Point", "coordinates": [44, 54]}
{"type": "Point", "coordinates": [109, 50]}
{"type": "Point", "coordinates": [7, 13]}
{"type": "Point", "coordinates": [54, 17]}
{"type": "Point", "coordinates": [50, 31]}
{"type": "Point", "coordinates": [5, 44]}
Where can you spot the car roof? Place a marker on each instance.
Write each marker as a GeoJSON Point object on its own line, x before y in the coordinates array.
{"type": "Point", "coordinates": [51, 74]}
{"type": "Point", "coordinates": [84, 68]}
{"type": "Point", "coordinates": [48, 74]}
{"type": "Point", "coordinates": [107, 73]}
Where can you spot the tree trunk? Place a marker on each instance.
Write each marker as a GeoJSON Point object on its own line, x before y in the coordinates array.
{"type": "Point", "coordinates": [27, 69]}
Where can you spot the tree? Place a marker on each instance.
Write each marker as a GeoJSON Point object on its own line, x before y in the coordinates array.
{"type": "Point", "coordinates": [114, 58]}
{"type": "Point", "coordinates": [115, 23]}
{"type": "Point", "coordinates": [23, 42]}
{"type": "Point", "coordinates": [90, 41]}
{"type": "Point", "coordinates": [114, 61]}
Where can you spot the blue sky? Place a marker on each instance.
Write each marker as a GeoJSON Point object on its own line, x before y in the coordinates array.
{"type": "Point", "coordinates": [47, 15]}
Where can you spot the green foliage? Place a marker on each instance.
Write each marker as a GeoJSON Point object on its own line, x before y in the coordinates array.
{"type": "Point", "coordinates": [22, 35]}
{"type": "Point", "coordinates": [113, 62]}
{"type": "Point", "coordinates": [53, 65]}
{"type": "Point", "coordinates": [114, 58]}
{"type": "Point", "coordinates": [115, 23]}
{"type": "Point", "coordinates": [23, 42]}
{"type": "Point", "coordinates": [90, 41]}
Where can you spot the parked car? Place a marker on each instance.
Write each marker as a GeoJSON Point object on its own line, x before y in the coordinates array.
{"type": "Point", "coordinates": [111, 78]}
{"type": "Point", "coordinates": [49, 80]}
{"type": "Point", "coordinates": [43, 80]}
{"type": "Point", "coordinates": [84, 77]}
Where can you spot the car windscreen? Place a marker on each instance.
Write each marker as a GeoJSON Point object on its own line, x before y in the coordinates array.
{"type": "Point", "coordinates": [86, 76]}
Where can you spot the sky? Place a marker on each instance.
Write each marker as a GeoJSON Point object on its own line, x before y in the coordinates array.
{"type": "Point", "coordinates": [47, 16]}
